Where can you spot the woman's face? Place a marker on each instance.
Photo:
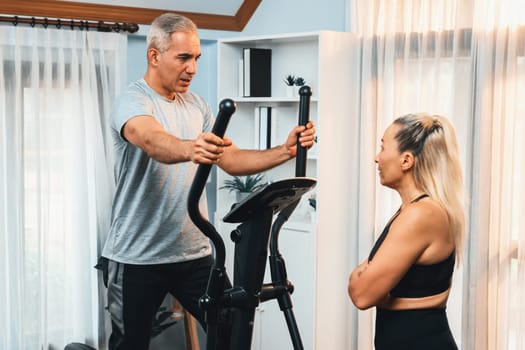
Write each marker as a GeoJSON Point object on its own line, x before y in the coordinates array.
{"type": "Point", "coordinates": [389, 158]}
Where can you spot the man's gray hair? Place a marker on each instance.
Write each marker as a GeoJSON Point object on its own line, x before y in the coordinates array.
{"type": "Point", "coordinates": [159, 36]}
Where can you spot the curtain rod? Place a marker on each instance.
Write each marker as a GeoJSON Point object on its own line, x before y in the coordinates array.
{"type": "Point", "coordinates": [99, 26]}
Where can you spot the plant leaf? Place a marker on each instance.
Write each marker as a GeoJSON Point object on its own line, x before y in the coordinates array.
{"type": "Point", "coordinates": [250, 183]}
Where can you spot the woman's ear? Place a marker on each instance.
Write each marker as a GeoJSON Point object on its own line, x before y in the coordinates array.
{"type": "Point", "coordinates": [407, 161]}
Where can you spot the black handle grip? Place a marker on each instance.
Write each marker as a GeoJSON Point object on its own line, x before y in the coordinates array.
{"type": "Point", "coordinates": [305, 92]}
{"type": "Point", "coordinates": [226, 109]}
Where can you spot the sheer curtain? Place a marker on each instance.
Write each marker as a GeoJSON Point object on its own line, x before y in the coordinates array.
{"type": "Point", "coordinates": [463, 59]}
{"type": "Point", "coordinates": [496, 280]}
{"type": "Point", "coordinates": [56, 87]}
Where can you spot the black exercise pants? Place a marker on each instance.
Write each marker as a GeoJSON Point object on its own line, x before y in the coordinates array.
{"type": "Point", "coordinates": [420, 329]}
{"type": "Point", "coordinates": [135, 293]}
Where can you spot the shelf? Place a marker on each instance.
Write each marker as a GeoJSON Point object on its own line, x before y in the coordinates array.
{"type": "Point", "coordinates": [302, 226]}
{"type": "Point", "coordinates": [270, 99]}
{"type": "Point", "coordinates": [312, 241]}
{"type": "Point", "coordinates": [273, 39]}
{"type": "Point", "coordinates": [295, 54]}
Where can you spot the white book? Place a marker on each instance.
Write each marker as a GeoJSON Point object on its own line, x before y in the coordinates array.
{"type": "Point", "coordinates": [264, 127]}
{"type": "Point", "coordinates": [247, 74]}
{"type": "Point", "coordinates": [240, 81]}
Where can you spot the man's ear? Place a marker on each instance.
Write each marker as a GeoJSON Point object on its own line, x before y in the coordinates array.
{"type": "Point", "coordinates": [407, 161]}
{"type": "Point", "coordinates": [153, 56]}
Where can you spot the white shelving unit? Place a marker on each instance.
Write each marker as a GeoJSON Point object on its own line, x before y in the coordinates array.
{"type": "Point", "coordinates": [312, 243]}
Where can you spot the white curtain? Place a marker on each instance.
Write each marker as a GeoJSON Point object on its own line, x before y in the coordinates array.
{"type": "Point", "coordinates": [463, 59]}
{"type": "Point", "coordinates": [56, 88]}
{"type": "Point", "coordinates": [496, 279]}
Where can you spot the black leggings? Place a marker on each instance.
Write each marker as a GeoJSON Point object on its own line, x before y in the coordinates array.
{"type": "Point", "coordinates": [135, 293]}
{"type": "Point", "coordinates": [423, 329]}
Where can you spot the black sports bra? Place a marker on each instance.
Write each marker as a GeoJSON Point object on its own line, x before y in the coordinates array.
{"type": "Point", "coordinates": [419, 280]}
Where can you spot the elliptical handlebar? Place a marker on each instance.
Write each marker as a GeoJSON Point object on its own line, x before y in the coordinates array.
{"type": "Point", "coordinates": [305, 92]}
{"type": "Point", "coordinates": [276, 261]}
{"type": "Point", "coordinates": [226, 109]}
{"type": "Point", "coordinates": [230, 310]}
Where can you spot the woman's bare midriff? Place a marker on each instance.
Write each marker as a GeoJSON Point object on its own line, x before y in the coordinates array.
{"type": "Point", "coordinates": [431, 302]}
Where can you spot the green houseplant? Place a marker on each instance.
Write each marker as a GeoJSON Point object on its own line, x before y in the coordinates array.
{"type": "Point", "coordinates": [289, 80]}
{"type": "Point", "coordinates": [292, 84]}
{"type": "Point", "coordinates": [299, 81]}
{"type": "Point", "coordinates": [243, 185]}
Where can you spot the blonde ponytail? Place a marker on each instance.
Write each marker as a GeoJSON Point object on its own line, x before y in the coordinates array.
{"type": "Point", "coordinates": [437, 170]}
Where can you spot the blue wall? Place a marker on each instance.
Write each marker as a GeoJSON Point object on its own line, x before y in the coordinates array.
{"type": "Point", "coordinates": [291, 16]}
{"type": "Point", "coordinates": [136, 57]}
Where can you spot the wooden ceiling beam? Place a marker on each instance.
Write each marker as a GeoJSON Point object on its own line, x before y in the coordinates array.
{"type": "Point", "coordinates": [111, 13]}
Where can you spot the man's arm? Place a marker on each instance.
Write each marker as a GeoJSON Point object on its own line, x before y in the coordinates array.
{"type": "Point", "coordinates": [147, 133]}
{"type": "Point", "coordinates": [236, 161]}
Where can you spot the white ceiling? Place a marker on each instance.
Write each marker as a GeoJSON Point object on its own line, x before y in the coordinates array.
{"type": "Point", "coordinates": [218, 7]}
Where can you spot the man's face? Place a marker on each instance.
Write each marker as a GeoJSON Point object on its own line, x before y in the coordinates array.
{"type": "Point", "coordinates": [178, 65]}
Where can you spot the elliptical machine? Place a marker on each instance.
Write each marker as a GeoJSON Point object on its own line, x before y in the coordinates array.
{"type": "Point", "coordinates": [230, 309]}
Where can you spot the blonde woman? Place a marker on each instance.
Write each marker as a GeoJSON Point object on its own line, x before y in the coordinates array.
{"type": "Point", "coordinates": [408, 273]}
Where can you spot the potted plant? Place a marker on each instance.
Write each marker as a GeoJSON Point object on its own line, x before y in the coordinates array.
{"type": "Point", "coordinates": [299, 81]}
{"type": "Point", "coordinates": [289, 80]}
{"type": "Point", "coordinates": [312, 200]}
{"type": "Point", "coordinates": [243, 185]}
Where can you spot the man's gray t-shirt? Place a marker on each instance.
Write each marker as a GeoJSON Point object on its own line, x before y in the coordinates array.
{"type": "Point", "coordinates": [149, 221]}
